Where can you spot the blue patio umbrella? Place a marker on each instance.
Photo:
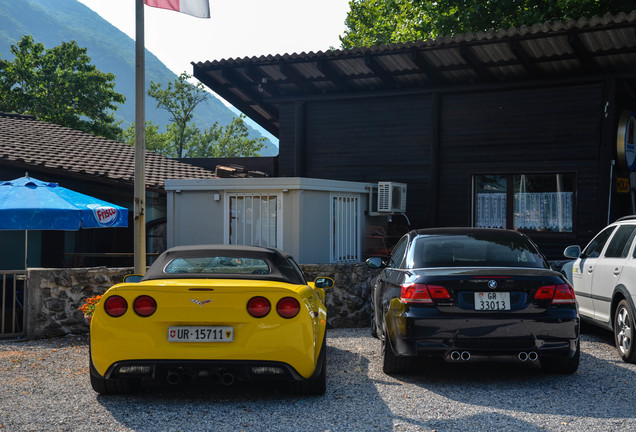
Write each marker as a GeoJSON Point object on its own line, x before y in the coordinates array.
{"type": "Point", "coordinates": [30, 204]}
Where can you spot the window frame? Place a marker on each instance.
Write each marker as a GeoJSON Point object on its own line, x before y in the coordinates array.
{"type": "Point", "coordinates": [510, 199]}
{"type": "Point", "coordinates": [279, 215]}
{"type": "Point", "coordinates": [354, 223]}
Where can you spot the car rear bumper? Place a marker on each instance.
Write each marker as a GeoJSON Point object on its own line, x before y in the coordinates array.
{"type": "Point", "coordinates": [554, 334]}
{"type": "Point", "coordinates": [290, 343]}
{"type": "Point", "coordinates": [215, 371]}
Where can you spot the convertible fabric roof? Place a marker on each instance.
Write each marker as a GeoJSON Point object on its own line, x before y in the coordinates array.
{"type": "Point", "coordinates": [278, 261]}
{"type": "Point", "coordinates": [598, 46]}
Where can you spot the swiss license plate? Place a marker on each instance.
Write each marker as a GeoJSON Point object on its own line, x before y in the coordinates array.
{"type": "Point", "coordinates": [492, 301]}
{"type": "Point", "coordinates": [200, 334]}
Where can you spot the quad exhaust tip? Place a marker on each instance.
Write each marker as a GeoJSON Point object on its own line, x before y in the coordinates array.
{"type": "Point", "coordinates": [528, 356]}
{"type": "Point", "coordinates": [523, 356]}
{"type": "Point", "coordinates": [175, 377]}
{"type": "Point", "coordinates": [227, 379]}
{"type": "Point", "coordinates": [456, 355]}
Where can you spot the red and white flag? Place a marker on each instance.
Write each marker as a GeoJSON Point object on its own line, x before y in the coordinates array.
{"type": "Point", "coordinates": [197, 8]}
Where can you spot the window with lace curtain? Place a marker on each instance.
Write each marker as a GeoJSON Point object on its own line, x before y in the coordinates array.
{"type": "Point", "coordinates": [254, 219]}
{"type": "Point", "coordinates": [529, 202]}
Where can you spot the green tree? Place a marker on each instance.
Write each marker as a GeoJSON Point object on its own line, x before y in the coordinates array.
{"type": "Point", "coordinates": [179, 98]}
{"type": "Point", "coordinates": [232, 140]}
{"type": "Point", "coordinates": [155, 141]}
{"type": "Point", "coordinates": [59, 85]}
{"type": "Point", "coordinates": [182, 139]}
{"type": "Point", "coordinates": [375, 22]}
{"type": "Point", "coordinates": [218, 141]}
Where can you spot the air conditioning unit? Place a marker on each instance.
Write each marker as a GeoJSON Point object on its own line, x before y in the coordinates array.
{"type": "Point", "coordinates": [391, 197]}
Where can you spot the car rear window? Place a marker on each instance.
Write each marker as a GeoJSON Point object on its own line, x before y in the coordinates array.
{"type": "Point", "coordinates": [217, 265]}
{"type": "Point", "coordinates": [469, 251]}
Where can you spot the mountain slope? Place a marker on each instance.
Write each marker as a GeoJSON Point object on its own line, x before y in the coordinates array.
{"type": "Point", "coordinates": [54, 21]}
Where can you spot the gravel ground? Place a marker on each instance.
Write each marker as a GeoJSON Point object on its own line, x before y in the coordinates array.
{"type": "Point", "coordinates": [45, 387]}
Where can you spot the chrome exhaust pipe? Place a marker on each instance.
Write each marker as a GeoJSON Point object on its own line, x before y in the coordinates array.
{"type": "Point", "coordinates": [455, 355]}
{"type": "Point", "coordinates": [533, 356]}
{"type": "Point", "coordinates": [227, 379]}
{"type": "Point", "coordinates": [173, 378]}
{"type": "Point", "coordinates": [523, 356]}
{"type": "Point", "coordinates": [186, 377]}
{"type": "Point", "coordinates": [465, 356]}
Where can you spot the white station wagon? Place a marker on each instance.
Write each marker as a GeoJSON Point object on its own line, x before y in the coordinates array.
{"type": "Point", "coordinates": [604, 280]}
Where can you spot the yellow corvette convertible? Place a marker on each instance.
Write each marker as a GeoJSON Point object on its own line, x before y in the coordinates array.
{"type": "Point", "coordinates": [215, 312]}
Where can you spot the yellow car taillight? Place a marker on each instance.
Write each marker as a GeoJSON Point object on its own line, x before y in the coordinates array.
{"type": "Point", "coordinates": [288, 307]}
{"type": "Point", "coordinates": [115, 306]}
{"type": "Point", "coordinates": [258, 307]}
{"type": "Point", "coordinates": [144, 306]}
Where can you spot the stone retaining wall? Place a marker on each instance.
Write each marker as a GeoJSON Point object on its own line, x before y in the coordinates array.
{"type": "Point", "coordinates": [348, 303]}
{"type": "Point", "coordinates": [54, 296]}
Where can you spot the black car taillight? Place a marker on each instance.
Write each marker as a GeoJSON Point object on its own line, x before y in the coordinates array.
{"type": "Point", "coordinates": [258, 307]}
{"type": "Point", "coordinates": [423, 293]}
{"type": "Point", "coordinates": [288, 307]}
{"type": "Point", "coordinates": [564, 294]}
{"type": "Point", "coordinates": [144, 306]}
{"type": "Point", "coordinates": [558, 294]}
{"type": "Point", "coordinates": [115, 306]}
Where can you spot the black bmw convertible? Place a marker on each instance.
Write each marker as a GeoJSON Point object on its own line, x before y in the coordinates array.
{"type": "Point", "coordinates": [473, 294]}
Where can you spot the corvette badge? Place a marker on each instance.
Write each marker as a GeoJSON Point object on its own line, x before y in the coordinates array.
{"type": "Point", "coordinates": [201, 302]}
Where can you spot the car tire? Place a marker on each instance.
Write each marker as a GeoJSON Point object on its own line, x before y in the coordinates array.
{"type": "Point", "coordinates": [317, 384]}
{"type": "Point", "coordinates": [392, 364]}
{"type": "Point", "coordinates": [624, 332]}
{"type": "Point", "coordinates": [560, 365]}
{"type": "Point", "coordinates": [105, 386]}
{"type": "Point", "coordinates": [375, 330]}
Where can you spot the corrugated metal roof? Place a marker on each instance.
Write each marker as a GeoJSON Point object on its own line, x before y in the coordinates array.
{"type": "Point", "coordinates": [27, 142]}
{"type": "Point", "coordinates": [595, 46]}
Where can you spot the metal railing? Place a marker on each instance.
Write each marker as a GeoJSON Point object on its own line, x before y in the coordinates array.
{"type": "Point", "coordinates": [13, 297]}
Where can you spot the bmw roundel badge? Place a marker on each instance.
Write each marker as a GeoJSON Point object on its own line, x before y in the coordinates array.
{"type": "Point", "coordinates": [492, 284]}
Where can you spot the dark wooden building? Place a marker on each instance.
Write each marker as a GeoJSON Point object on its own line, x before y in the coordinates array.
{"type": "Point", "coordinates": [515, 128]}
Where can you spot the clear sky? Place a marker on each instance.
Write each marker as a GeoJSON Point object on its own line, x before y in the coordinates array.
{"type": "Point", "coordinates": [236, 29]}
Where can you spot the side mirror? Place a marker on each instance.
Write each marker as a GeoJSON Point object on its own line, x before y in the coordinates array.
{"type": "Point", "coordinates": [324, 282]}
{"type": "Point", "coordinates": [573, 252]}
{"type": "Point", "coordinates": [374, 262]}
{"type": "Point", "coordinates": [133, 278]}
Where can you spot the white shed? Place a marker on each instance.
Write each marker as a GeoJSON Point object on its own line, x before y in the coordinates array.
{"type": "Point", "coordinates": [315, 220]}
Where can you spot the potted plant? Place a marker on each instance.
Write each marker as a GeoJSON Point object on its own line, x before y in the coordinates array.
{"type": "Point", "coordinates": [89, 306]}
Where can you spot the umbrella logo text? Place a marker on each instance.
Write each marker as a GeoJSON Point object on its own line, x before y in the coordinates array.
{"type": "Point", "coordinates": [106, 216]}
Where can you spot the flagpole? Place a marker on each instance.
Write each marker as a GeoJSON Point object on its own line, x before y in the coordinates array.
{"type": "Point", "coordinates": [140, 139]}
